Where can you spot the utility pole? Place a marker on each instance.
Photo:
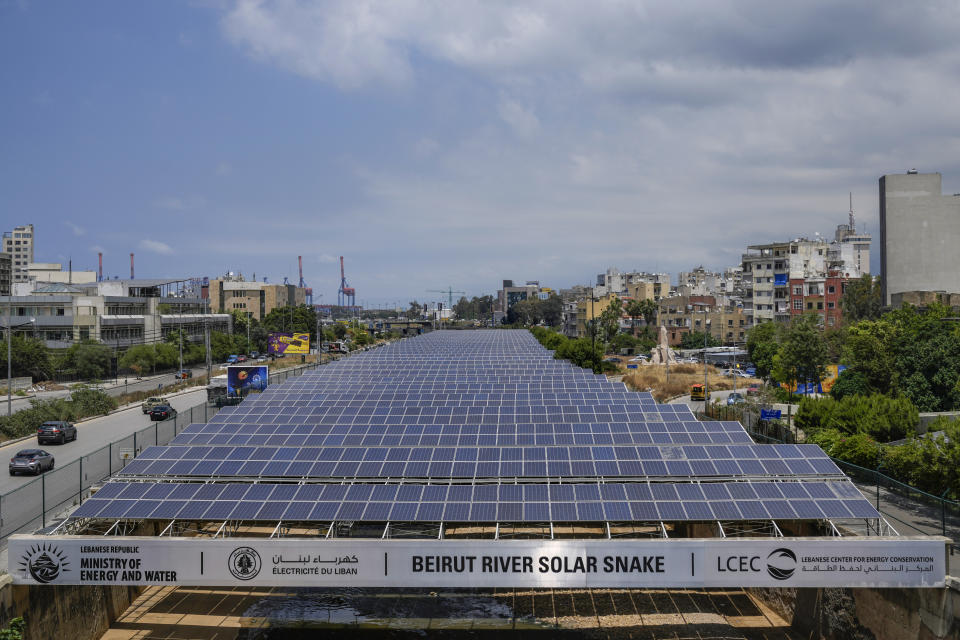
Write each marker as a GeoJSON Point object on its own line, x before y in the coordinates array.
{"type": "Point", "coordinates": [706, 390]}
{"type": "Point", "coordinates": [206, 341]}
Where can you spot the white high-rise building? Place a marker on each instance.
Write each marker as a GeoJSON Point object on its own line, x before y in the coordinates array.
{"type": "Point", "coordinates": [19, 244]}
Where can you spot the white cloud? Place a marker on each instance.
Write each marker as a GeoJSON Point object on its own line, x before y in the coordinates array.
{"type": "Point", "coordinates": [155, 246]}
{"type": "Point", "coordinates": [649, 135]}
{"type": "Point", "coordinates": [75, 228]}
{"type": "Point", "coordinates": [177, 203]}
{"type": "Point", "coordinates": [522, 120]}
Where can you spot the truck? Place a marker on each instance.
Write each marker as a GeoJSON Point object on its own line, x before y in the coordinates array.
{"type": "Point", "coordinates": [335, 347]}
{"type": "Point", "coordinates": [698, 392]}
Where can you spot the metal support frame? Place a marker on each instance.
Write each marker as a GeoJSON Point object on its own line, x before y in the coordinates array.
{"type": "Point", "coordinates": [776, 530]}
{"type": "Point", "coordinates": [833, 530]}
{"type": "Point", "coordinates": [663, 530]}
{"type": "Point", "coordinates": [723, 534]}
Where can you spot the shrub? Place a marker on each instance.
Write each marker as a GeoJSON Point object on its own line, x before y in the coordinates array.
{"type": "Point", "coordinates": [83, 403]}
{"type": "Point", "coordinates": [881, 417]}
{"type": "Point", "coordinates": [582, 353]}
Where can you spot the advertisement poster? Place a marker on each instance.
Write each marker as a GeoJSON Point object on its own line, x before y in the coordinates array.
{"type": "Point", "coordinates": [242, 379]}
{"type": "Point", "coordinates": [288, 344]}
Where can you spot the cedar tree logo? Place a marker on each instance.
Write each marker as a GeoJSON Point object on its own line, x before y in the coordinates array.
{"type": "Point", "coordinates": [45, 562]}
{"type": "Point", "coordinates": [244, 563]}
{"type": "Point", "coordinates": [781, 563]}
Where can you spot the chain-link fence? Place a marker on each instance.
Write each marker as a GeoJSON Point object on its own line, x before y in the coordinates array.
{"type": "Point", "coordinates": [33, 505]}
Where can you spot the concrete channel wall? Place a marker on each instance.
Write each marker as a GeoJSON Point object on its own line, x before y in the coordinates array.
{"type": "Point", "coordinates": [868, 614]}
{"type": "Point", "coordinates": [81, 613]}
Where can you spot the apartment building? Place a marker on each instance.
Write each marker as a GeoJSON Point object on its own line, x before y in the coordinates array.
{"type": "Point", "coordinates": [681, 315]}
{"type": "Point", "coordinates": [19, 244]}
{"type": "Point", "coordinates": [784, 279]}
{"type": "Point", "coordinates": [6, 273]}
{"type": "Point", "coordinates": [256, 299]}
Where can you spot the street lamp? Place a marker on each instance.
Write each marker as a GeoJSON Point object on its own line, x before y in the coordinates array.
{"type": "Point", "coordinates": [10, 328]}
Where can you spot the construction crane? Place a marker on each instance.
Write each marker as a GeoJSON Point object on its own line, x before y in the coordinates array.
{"type": "Point", "coordinates": [303, 285]}
{"type": "Point", "coordinates": [346, 293]}
{"type": "Point", "coordinates": [449, 291]}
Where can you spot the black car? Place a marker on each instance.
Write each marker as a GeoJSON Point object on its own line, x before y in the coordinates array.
{"type": "Point", "coordinates": [57, 431]}
{"type": "Point", "coordinates": [162, 412]}
{"type": "Point", "coordinates": [34, 461]}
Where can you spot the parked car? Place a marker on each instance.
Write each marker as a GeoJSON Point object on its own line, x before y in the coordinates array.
{"type": "Point", "coordinates": [150, 403]}
{"type": "Point", "coordinates": [183, 374]}
{"type": "Point", "coordinates": [57, 431]}
{"type": "Point", "coordinates": [736, 372]}
{"type": "Point", "coordinates": [241, 359]}
{"type": "Point", "coordinates": [735, 398]}
{"type": "Point", "coordinates": [162, 412]}
{"type": "Point", "coordinates": [612, 359]}
{"type": "Point", "coordinates": [753, 389]}
{"type": "Point", "coordinates": [34, 461]}
{"type": "Point", "coordinates": [232, 359]}
{"type": "Point", "coordinates": [640, 358]}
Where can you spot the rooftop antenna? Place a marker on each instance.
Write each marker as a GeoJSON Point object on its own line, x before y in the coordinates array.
{"type": "Point", "coordinates": [852, 228]}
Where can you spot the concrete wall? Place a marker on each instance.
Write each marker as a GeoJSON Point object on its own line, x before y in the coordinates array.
{"type": "Point", "coordinates": [919, 235]}
{"type": "Point", "coordinates": [874, 614]}
{"type": "Point", "coordinates": [77, 613]}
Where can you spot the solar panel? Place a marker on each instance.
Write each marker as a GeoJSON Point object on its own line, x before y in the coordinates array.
{"type": "Point", "coordinates": [478, 426]}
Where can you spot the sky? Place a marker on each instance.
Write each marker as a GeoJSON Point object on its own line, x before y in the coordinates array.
{"type": "Point", "coordinates": [444, 144]}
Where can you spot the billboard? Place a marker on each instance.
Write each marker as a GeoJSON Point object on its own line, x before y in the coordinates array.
{"type": "Point", "coordinates": [826, 384]}
{"type": "Point", "coordinates": [243, 379]}
{"type": "Point", "coordinates": [563, 564]}
{"type": "Point", "coordinates": [288, 344]}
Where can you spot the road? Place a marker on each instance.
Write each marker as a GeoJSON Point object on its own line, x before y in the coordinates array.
{"type": "Point", "coordinates": [115, 388]}
{"type": "Point", "coordinates": [93, 435]}
{"type": "Point", "coordinates": [698, 405]}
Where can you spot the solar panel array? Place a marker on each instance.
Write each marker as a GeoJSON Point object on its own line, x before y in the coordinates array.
{"type": "Point", "coordinates": [471, 426]}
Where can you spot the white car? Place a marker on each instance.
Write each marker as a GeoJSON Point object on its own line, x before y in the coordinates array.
{"type": "Point", "coordinates": [640, 359]}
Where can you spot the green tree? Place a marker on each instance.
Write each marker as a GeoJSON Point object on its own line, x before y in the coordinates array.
{"type": "Point", "coordinates": [551, 310]}
{"type": "Point", "coordinates": [29, 357]}
{"type": "Point", "coordinates": [871, 349]}
{"type": "Point", "coordinates": [850, 383]}
{"type": "Point", "coordinates": [88, 359]}
{"type": "Point", "coordinates": [695, 340]}
{"type": "Point", "coordinates": [634, 309]}
{"type": "Point", "coordinates": [648, 309]}
{"type": "Point", "coordinates": [862, 299]}
{"type": "Point", "coordinates": [803, 352]}
{"type": "Point", "coordinates": [762, 345]}
{"type": "Point", "coordinates": [416, 310]}
{"type": "Point", "coordinates": [610, 319]}
{"type": "Point", "coordinates": [140, 358]}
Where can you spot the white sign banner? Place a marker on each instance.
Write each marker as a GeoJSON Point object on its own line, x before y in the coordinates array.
{"type": "Point", "coordinates": [308, 562]}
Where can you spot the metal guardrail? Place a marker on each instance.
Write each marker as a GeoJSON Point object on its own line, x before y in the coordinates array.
{"type": "Point", "coordinates": [33, 505]}
{"type": "Point", "coordinates": [929, 514]}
